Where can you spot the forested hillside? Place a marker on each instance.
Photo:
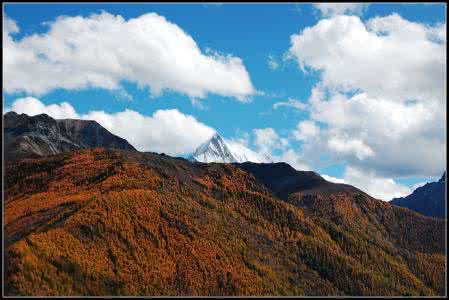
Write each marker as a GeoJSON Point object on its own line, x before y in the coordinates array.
{"type": "Point", "coordinates": [114, 222]}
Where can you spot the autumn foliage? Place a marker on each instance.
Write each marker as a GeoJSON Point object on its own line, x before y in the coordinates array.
{"type": "Point", "coordinates": [103, 222]}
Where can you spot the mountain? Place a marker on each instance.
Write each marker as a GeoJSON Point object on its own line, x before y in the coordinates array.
{"type": "Point", "coordinates": [285, 181]}
{"type": "Point", "coordinates": [217, 149]}
{"type": "Point", "coordinates": [429, 200]}
{"type": "Point", "coordinates": [40, 135]}
{"type": "Point", "coordinates": [116, 222]}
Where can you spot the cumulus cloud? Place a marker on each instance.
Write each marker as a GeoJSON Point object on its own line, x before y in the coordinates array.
{"type": "Point", "coordinates": [9, 26]}
{"type": "Point", "coordinates": [291, 102]}
{"type": "Point", "coordinates": [168, 131]}
{"type": "Point", "coordinates": [267, 139]}
{"type": "Point", "coordinates": [386, 56]}
{"type": "Point", "coordinates": [277, 148]}
{"type": "Point", "coordinates": [438, 33]}
{"type": "Point", "coordinates": [377, 186]}
{"type": "Point", "coordinates": [242, 137]}
{"type": "Point", "coordinates": [102, 50]}
{"type": "Point", "coordinates": [381, 94]}
{"type": "Point", "coordinates": [293, 158]}
{"type": "Point", "coordinates": [350, 146]}
{"type": "Point", "coordinates": [331, 9]}
{"type": "Point", "coordinates": [306, 130]}
{"type": "Point", "coordinates": [379, 135]}
{"type": "Point", "coordinates": [380, 100]}
{"type": "Point", "coordinates": [32, 106]}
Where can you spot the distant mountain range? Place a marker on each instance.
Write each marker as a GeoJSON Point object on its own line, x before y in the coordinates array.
{"type": "Point", "coordinates": [218, 149]}
{"type": "Point", "coordinates": [41, 135]}
{"type": "Point", "coordinates": [429, 200]}
{"type": "Point", "coordinates": [115, 221]}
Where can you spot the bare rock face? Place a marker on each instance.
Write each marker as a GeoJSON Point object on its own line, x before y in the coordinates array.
{"type": "Point", "coordinates": [41, 135]}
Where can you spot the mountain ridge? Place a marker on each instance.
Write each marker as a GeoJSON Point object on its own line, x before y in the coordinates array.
{"type": "Point", "coordinates": [41, 135]}
{"type": "Point", "coordinates": [429, 199]}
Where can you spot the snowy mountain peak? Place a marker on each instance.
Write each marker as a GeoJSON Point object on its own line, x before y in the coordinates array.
{"type": "Point", "coordinates": [213, 150]}
{"type": "Point", "coordinates": [218, 149]}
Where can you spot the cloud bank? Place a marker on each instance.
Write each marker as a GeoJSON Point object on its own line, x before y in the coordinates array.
{"type": "Point", "coordinates": [379, 106]}
{"type": "Point", "coordinates": [381, 99]}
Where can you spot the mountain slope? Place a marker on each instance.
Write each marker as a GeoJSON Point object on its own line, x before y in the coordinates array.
{"type": "Point", "coordinates": [114, 222]}
{"type": "Point", "coordinates": [217, 149]}
{"type": "Point", "coordinates": [429, 200]}
{"type": "Point", "coordinates": [41, 135]}
{"type": "Point", "coordinates": [284, 180]}
{"type": "Point", "coordinates": [353, 210]}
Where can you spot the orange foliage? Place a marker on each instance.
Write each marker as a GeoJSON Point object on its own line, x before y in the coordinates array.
{"type": "Point", "coordinates": [102, 222]}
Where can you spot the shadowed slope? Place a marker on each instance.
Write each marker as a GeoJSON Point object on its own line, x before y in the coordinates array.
{"type": "Point", "coordinates": [284, 180]}
{"type": "Point", "coordinates": [429, 200]}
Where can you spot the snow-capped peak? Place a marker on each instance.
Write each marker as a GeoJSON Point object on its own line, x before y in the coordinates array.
{"type": "Point", "coordinates": [213, 150]}
{"type": "Point", "coordinates": [218, 149]}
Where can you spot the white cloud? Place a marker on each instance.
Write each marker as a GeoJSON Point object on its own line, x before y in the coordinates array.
{"type": "Point", "coordinates": [102, 50]}
{"type": "Point", "coordinates": [168, 131]}
{"type": "Point", "coordinates": [269, 143]}
{"type": "Point", "coordinates": [293, 158]}
{"type": "Point", "coordinates": [381, 98]}
{"type": "Point", "coordinates": [266, 140]}
{"type": "Point", "coordinates": [333, 179]}
{"type": "Point", "coordinates": [331, 9]}
{"type": "Point", "coordinates": [291, 102]}
{"type": "Point", "coordinates": [438, 33]}
{"type": "Point", "coordinates": [378, 187]}
{"type": "Point", "coordinates": [242, 137]}
{"type": "Point", "coordinates": [350, 146]}
{"type": "Point", "coordinates": [379, 135]}
{"type": "Point", "coordinates": [386, 57]}
{"type": "Point", "coordinates": [32, 106]}
{"type": "Point", "coordinates": [9, 26]}
{"type": "Point", "coordinates": [242, 153]}
{"type": "Point", "coordinates": [272, 63]}
{"type": "Point", "coordinates": [306, 130]}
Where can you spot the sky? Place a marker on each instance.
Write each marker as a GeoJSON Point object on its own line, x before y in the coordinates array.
{"type": "Point", "coordinates": [355, 92]}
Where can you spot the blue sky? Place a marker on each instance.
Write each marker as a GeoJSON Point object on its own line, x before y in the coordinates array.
{"type": "Point", "coordinates": [254, 33]}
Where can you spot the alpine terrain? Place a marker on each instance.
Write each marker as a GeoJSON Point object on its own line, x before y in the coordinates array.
{"type": "Point", "coordinates": [219, 150]}
{"type": "Point", "coordinates": [429, 200]}
{"type": "Point", "coordinates": [41, 135]}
